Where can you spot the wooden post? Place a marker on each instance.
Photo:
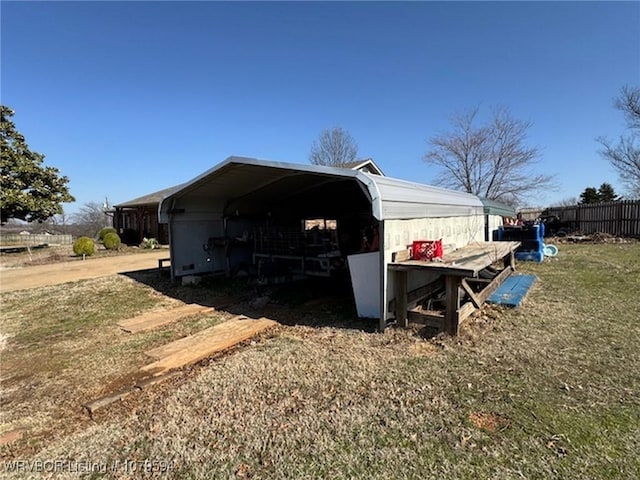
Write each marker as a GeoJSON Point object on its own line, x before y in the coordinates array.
{"type": "Point", "coordinates": [510, 260]}
{"type": "Point", "coordinates": [400, 287]}
{"type": "Point", "coordinates": [140, 219]}
{"type": "Point", "coordinates": [452, 304]}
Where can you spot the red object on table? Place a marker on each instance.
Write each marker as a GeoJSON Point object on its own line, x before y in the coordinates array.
{"type": "Point", "coordinates": [426, 249]}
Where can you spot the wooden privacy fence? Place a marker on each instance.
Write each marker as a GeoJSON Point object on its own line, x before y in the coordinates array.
{"type": "Point", "coordinates": [35, 239]}
{"type": "Point", "coordinates": [617, 218]}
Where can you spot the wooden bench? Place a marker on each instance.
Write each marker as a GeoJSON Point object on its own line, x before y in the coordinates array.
{"type": "Point", "coordinates": [458, 268]}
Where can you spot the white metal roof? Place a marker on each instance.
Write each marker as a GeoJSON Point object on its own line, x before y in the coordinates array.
{"type": "Point", "coordinates": [400, 199]}
{"type": "Point", "coordinates": [390, 198]}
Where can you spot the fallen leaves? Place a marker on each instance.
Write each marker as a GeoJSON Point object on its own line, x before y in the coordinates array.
{"type": "Point", "coordinates": [488, 421]}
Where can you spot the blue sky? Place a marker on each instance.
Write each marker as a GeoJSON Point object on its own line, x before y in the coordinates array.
{"type": "Point", "coordinates": [126, 98]}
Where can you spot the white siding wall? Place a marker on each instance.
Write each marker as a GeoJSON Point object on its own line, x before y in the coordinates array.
{"type": "Point", "coordinates": [190, 231]}
{"type": "Point", "coordinates": [494, 222]}
{"type": "Point", "coordinates": [455, 232]}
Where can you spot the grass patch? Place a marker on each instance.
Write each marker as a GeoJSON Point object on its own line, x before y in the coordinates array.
{"type": "Point", "coordinates": [549, 390]}
{"type": "Point", "coordinates": [63, 347]}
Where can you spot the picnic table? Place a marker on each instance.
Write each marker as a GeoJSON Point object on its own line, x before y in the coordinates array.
{"type": "Point", "coordinates": [459, 268]}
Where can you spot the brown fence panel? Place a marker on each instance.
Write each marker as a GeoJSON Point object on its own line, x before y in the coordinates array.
{"type": "Point", "coordinates": [616, 218]}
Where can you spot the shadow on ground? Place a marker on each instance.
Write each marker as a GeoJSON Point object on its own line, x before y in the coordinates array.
{"type": "Point", "coordinates": [316, 302]}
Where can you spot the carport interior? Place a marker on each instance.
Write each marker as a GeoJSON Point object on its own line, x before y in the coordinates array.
{"type": "Point", "coordinates": [279, 224]}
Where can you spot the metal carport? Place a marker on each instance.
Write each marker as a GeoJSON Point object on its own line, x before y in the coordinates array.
{"type": "Point", "coordinates": [229, 199]}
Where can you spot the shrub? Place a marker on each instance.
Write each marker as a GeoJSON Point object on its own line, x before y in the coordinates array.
{"type": "Point", "coordinates": [105, 231]}
{"type": "Point", "coordinates": [149, 243]}
{"type": "Point", "coordinates": [111, 241]}
{"type": "Point", "coordinates": [84, 246]}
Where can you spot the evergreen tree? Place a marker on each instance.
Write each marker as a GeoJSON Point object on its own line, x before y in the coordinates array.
{"type": "Point", "coordinates": [590, 195]}
{"type": "Point", "coordinates": [607, 194]}
{"type": "Point", "coordinates": [28, 190]}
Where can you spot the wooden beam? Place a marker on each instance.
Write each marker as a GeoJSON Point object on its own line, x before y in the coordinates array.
{"type": "Point", "coordinates": [400, 279]}
{"type": "Point", "coordinates": [510, 260]}
{"type": "Point", "coordinates": [160, 318]}
{"type": "Point", "coordinates": [485, 281]}
{"type": "Point", "coordinates": [419, 293]}
{"type": "Point", "coordinates": [203, 344]}
{"type": "Point", "coordinates": [469, 291]}
{"type": "Point", "coordinates": [465, 311]}
{"type": "Point", "coordinates": [495, 283]}
{"type": "Point", "coordinates": [107, 400]}
{"type": "Point", "coordinates": [428, 319]}
{"type": "Point", "coordinates": [452, 302]}
{"type": "Point", "coordinates": [400, 256]}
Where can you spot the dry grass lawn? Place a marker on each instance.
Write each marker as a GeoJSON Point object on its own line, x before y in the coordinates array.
{"type": "Point", "coordinates": [550, 390]}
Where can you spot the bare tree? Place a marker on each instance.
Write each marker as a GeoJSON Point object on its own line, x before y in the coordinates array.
{"type": "Point", "coordinates": [58, 223]}
{"type": "Point", "coordinates": [334, 148]}
{"type": "Point", "coordinates": [92, 217]}
{"type": "Point", "coordinates": [629, 103]}
{"type": "Point", "coordinates": [491, 160]}
{"type": "Point", "coordinates": [624, 156]}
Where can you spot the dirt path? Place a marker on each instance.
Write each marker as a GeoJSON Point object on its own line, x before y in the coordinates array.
{"type": "Point", "coordinates": [56, 273]}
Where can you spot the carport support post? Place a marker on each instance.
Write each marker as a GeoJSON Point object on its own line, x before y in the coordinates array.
{"type": "Point", "coordinates": [384, 277]}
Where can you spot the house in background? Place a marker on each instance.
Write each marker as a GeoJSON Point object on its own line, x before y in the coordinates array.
{"type": "Point", "coordinates": [138, 218]}
{"type": "Point", "coordinates": [367, 166]}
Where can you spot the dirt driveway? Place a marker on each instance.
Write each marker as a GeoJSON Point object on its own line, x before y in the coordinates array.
{"type": "Point", "coordinates": [56, 273]}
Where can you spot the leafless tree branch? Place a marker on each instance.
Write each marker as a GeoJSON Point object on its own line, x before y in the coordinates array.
{"type": "Point", "coordinates": [624, 156]}
{"type": "Point", "coordinates": [334, 148]}
{"type": "Point", "coordinates": [491, 160]}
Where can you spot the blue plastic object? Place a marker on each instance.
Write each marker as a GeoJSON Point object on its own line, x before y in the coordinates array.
{"type": "Point", "coordinates": [531, 239]}
{"type": "Point", "coordinates": [513, 290]}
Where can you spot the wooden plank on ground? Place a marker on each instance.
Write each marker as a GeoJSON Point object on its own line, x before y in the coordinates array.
{"type": "Point", "coordinates": [206, 343]}
{"type": "Point", "coordinates": [158, 318]}
{"type": "Point", "coordinates": [192, 340]}
{"type": "Point", "coordinates": [107, 400]}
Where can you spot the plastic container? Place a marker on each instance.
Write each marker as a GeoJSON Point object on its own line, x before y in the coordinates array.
{"type": "Point", "coordinates": [426, 249]}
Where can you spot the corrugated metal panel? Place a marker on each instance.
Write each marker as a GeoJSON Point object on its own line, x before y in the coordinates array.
{"type": "Point", "coordinates": [239, 176]}
{"type": "Point", "coordinates": [400, 199]}
{"type": "Point", "coordinates": [390, 198]}
{"type": "Point", "coordinates": [492, 207]}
